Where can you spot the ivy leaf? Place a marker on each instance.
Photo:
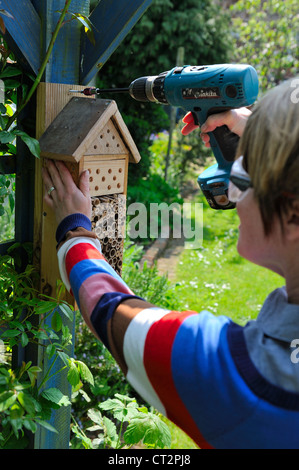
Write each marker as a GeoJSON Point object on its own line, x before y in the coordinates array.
{"type": "Point", "coordinates": [32, 144]}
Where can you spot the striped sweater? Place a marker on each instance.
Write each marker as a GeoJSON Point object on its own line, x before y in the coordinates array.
{"type": "Point", "coordinates": [193, 367]}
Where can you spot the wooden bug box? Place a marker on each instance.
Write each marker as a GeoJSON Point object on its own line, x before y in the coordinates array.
{"type": "Point", "coordinates": [91, 134]}
{"type": "Point", "coordinates": [88, 133]}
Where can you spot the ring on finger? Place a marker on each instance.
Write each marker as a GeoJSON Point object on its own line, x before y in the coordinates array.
{"type": "Point", "coordinates": [50, 190]}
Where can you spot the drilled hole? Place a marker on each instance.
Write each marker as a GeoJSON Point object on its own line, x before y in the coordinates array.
{"type": "Point", "coordinates": [114, 178]}
{"type": "Point", "coordinates": [96, 188]}
{"type": "Point", "coordinates": [120, 170]}
{"type": "Point", "coordinates": [98, 171]}
{"type": "Point", "coordinates": [110, 171]}
{"type": "Point", "coordinates": [103, 178]}
{"type": "Point", "coordinates": [109, 187]}
{"type": "Point", "coordinates": [91, 179]}
{"type": "Point", "coordinates": [118, 185]}
{"type": "Point", "coordinates": [95, 147]}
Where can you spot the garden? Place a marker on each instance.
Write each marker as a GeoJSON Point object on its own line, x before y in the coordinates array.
{"type": "Point", "coordinates": [105, 412]}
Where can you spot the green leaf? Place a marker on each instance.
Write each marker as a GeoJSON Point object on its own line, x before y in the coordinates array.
{"type": "Point", "coordinates": [88, 26]}
{"type": "Point", "coordinates": [96, 417]}
{"type": "Point", "coordinates": [56, 396]}
{"type": "Point", "coordinates": [24, 339]}
{"type": "Point", "coordinates": [148, 428]}
{"type": "Point", "coordinates": [56, 322]}
{"type": "Point", "coordinates": [67, 311]}
{"type": "Point", "coordinates": [73, 375]}
{"type": "Point", "coordinates": [31, 143]}
{"type": "Point", "coordinates": [6, 137]}
{"type": "Point", "coordinates": [85, 373]}
{"type": "Point", "coordinates": [46, 425]}
{"type": "Point", "coordinates": [50, 350]}
{"type": "Point", "coordinates": [27, 403]}
{"type": "Point", "coordinates": [110, 431]}
{"type": "Point", "coordinates": [10, 71]}
{"type": "Point", "coordinates": [30, 425]}
{"type": "Point", "coordinates": [10, 333]}
{"type": "Point", "coordinates": [6, 400]}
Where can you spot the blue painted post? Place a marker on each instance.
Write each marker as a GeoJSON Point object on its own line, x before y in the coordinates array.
{"type": "Point", "coordinates": [64, 64]}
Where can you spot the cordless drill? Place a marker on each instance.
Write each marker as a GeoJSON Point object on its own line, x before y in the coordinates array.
{"type": "Point", "coordinates": [203, 90]}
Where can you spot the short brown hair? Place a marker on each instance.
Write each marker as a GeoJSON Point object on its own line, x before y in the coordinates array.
{"type": "Point", "coordinates": [270, 147]}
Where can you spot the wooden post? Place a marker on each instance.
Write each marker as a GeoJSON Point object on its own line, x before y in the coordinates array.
{"type": "Point", "coordinates": [51, 99]}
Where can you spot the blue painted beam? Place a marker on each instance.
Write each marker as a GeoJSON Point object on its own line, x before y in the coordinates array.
{"type": "Point", "coordinates": [64, 63]}
{"type": "Point", "coordinates": [23, 31]}
{"type": "Point", "coordinates": [112, 20]}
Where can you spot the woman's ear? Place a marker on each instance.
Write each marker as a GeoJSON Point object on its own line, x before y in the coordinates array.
{"type": "Point", "coordinates": [292, 221]}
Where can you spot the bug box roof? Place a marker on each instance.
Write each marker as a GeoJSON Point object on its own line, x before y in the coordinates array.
{"type": "Point", "coordinates": [88, 127]}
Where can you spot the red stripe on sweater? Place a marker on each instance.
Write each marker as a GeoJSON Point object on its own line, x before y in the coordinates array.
{"type": "Point", "coordinates": [80, 252]}
{"type": "Point", "coordinates": [157, 362]}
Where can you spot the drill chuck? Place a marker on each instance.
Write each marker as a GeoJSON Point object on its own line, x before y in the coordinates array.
{"type": "Point", "coordinates": [150, 88]}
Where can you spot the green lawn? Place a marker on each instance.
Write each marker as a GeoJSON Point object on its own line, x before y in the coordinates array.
{"type": "Point", "coordinates": [216, 278]}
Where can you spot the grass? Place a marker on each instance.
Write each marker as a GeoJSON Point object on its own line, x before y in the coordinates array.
{"type": "Point", "coordinates": [215, 278]}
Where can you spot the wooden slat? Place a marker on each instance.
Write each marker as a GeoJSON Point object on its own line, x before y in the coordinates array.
{"type": "Point", "coordinates": [23, 31]}
{"type": "Point", "coordinates": [64, 63]}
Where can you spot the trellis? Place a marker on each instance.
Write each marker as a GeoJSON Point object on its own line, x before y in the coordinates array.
{"type": "Point", "coordinates": [75, 61]}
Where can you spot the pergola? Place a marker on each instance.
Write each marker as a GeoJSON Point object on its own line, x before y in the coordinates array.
{"type": "Point", "coordinates": [76, 61]}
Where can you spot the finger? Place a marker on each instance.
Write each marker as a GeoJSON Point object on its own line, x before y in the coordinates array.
{"type": "Point", "coordinates": [47, 179]}
{"type": "Point", "coordinates": [84, 183]}
{"type": "Point", "coordinates": [55, 177]}
{"type": "Point", "coordinates": [65, 176]}
{"type": "Point", "coordinates": [215, 120]}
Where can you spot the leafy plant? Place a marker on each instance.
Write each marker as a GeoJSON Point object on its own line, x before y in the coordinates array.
{"type": "Point", "coordinates": [25, 401]}
{"type": "Point", "coordinates": [265, 34]}
{"type": "Point", "coordinates": [131, 425]}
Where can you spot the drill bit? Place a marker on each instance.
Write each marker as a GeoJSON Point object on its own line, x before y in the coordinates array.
{"type": "Point", "coordinates": [98, 91]}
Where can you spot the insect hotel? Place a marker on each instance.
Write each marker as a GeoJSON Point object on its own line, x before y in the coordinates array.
{"type": "Point", "coordinates": [91, 134]}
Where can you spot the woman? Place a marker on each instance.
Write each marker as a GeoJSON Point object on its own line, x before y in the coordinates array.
{"type": "Point", "coordinates": [225, 385]}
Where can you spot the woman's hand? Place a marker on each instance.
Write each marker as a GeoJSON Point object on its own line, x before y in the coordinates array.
{"type": "Point", "coordinates": [66, 198]}
{"type": "Point", "coordinates": [234, 119]}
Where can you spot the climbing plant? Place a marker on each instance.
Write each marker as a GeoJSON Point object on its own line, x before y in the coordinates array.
{"type": "Point", "coordinates": [25, 400]}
